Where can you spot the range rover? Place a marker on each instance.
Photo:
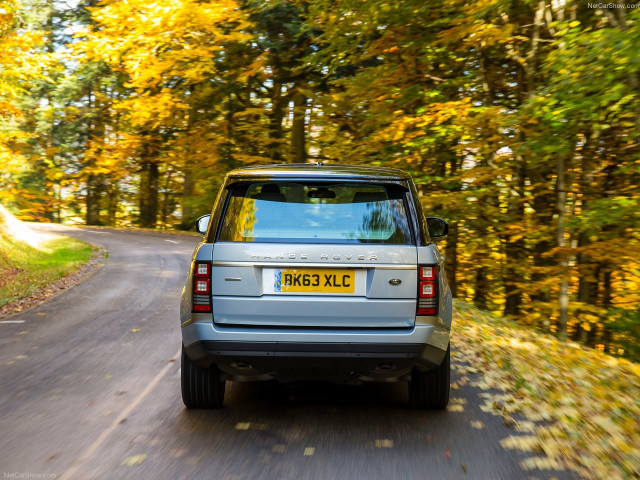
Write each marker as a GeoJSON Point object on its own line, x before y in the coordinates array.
{"type": "Point", "coordinates": [316, 272]}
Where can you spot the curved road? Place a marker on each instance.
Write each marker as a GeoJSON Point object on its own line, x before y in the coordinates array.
{"type": "Point", "coordinates": [91, 390]}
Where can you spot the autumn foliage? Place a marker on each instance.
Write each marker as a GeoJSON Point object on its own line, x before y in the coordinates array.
{"type": "Point", "coordinates": [518, 120]}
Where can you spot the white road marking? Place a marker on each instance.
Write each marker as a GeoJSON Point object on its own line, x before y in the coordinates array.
{"type": "Point", "coordinates": [69, 474]}
{"type": "Point", "coordinates": [170, 241]}
{"type": "Point", "coordinates": [12, 321]}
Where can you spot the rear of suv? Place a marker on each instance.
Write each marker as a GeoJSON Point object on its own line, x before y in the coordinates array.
{"type": "Point", "coordinates": [320, 272]}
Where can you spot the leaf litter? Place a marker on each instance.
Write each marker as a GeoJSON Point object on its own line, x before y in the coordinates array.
{"type": "Point", "coordinates": [580, 407]}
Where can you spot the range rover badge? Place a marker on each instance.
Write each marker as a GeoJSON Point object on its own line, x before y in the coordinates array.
{"type": "Point", "coordinates": [395, 281]}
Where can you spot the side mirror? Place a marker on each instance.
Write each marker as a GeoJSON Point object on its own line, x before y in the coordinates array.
{"type": "Point", "coordinates": [437, 227]}
{"type": "Point", "coordinates": [202, 224]}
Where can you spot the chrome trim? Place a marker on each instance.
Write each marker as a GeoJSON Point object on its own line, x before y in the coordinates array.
{"type": "Point", "coordinates": [232, 279]}
{"type": "Point", "coordinates": [388, 266]}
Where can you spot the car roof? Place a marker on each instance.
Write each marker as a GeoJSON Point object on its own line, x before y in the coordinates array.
{"type": "Point", "coordinates": [318, 171]}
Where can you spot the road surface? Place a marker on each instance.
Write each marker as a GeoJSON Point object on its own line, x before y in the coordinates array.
{"type": "Point", "coordinates": [90, 389]}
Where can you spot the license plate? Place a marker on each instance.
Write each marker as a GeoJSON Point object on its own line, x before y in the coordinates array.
{"type": "Point", "coordinates": [314, 280]}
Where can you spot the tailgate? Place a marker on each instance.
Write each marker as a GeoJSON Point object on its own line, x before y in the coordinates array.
{"type": "Point", "coordinates": [332, 286]}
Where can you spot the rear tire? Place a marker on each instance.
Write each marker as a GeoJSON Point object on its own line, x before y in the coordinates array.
{"type": "Point", "coordinates": [431, 389]}
{"type": "Point", "coordinates": [201, 387]}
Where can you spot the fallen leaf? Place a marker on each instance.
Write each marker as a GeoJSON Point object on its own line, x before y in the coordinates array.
{"type": "Point", "coordinates": [509, 421]}
{"type": "Point", "coordinates": [447, 453]}
{"type": "Point", "coordinates": [134, 460]}
{"type": "Point", "coordinates": [53, 457]}
{"type": "Point", "coordinates": [477, 424]}
{"type": "Point", "coordinates": [384, 443]}
{"type": "Point", "coordinates": [309, 451]}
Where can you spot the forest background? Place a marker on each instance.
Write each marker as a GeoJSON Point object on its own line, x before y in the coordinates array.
{"type": "Point", "coordinates": [519, 120]}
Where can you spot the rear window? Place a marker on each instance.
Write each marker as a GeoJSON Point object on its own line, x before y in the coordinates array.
{"type": "Point", "coordinates": [316, 213]}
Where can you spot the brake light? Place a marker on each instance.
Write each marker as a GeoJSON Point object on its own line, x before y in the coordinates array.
{"type": "Point", "coordinates": [202, 287]}
{"type": "Point", "coordinates": [427, 290]}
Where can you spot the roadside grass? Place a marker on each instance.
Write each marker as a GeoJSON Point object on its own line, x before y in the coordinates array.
{"type": "Point", "coordinates": [570, 406]}
{"type": "Point", "coordinates": [26, 268]}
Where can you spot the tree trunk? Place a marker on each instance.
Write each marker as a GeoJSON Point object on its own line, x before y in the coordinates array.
{"type": "Point", "coordinates": [515, 252]}
{"type": "Point", "coordinates": [563, 261]}
{"type": "Point", "coordinates": [544, 206]}
{"type": "Point", "coordinates": [298, 128]}
{"type": "Point", "coordinates": [92, 200]}
{"type": "Point", "coordinates": [113, 198]}
{"type": "Point", "coordinates": [514, 278]}
{"type": "Point", "coordinates": [188, 184]}
{"type": "Point", "coordinates": [149, 177]}
{"type": "Point", "coordinates": [451, 257]}
{"type": "Point", "coordinates": [187, 196]}
{"type": "Point", "coordinates": [451, 249]}
{"type": "Point", "coordinates": [168, 204]}
{"type": "Point", "coordinates": [275, 122]}
{"type": "Point", "coordinates": [481, 288]}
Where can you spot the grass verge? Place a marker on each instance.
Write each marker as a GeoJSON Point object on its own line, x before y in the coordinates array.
{"type": "Point", "coordinates": [25, 269]}
{"type": "Point", "coordinates": [571, 406]}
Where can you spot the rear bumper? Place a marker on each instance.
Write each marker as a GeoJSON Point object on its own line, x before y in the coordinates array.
{"type": "Point", "coordinates": [297, 354]}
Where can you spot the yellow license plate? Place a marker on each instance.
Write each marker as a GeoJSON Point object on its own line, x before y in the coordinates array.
{"type": "Point", "coordinates": [315, 280]}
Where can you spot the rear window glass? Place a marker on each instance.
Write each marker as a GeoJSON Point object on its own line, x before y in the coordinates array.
{"type": "Point", "coordinates": [316, 213]}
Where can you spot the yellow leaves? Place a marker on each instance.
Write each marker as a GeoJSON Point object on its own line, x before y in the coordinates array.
{"type": "Point", "coordinates": [405, 128]}
{"type": "Point", "coordinates": [19, 62]}
{"type": "Point", "coordinates": [587, 400]}
{"type": "Point", "coordinates": [152, 109]}
{"type": "Point", "coordinates": [256, 67]}
{"type": "Point", "coordinates": [524, 443]}
{"type": "Point", "coordinates": [155, 41]}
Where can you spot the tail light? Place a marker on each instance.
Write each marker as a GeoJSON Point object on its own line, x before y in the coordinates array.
{"type": "Point", "coordinates": [202, 287]}
{"type": "Point", "coordinates": [427, 290]}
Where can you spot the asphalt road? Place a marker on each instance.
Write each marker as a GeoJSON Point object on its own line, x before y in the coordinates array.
{"type": "Point", "coordinates": [90, 389]}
